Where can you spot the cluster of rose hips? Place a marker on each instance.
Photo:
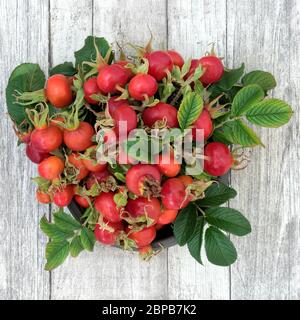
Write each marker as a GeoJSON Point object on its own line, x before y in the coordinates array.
{"type": "Point", "coordinates": [64, 147]}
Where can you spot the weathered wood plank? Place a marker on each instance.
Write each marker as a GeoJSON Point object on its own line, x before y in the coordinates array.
{"type": "Point", "coordinates": [192, 26]}
{"type": "Point", "coordinates": [24, 38]}
{"type": "Point", "coordinates": [265, 34]}
{"type": "Point", "coordinates": [70, 23]}
{"type": "Point", "coordinates": [108, 272]}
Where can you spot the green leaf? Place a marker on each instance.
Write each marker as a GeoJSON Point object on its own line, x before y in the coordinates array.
{"type": "Point", "coordinates": [76, 246]}
{"type": "Point", "coordinates": [229, 220]}
{"type": "Point", "coordinates": [237, 132]}
{"type": "Point", "coordinates": [65, 68]}
{"type": "Point", "coordinates": [189, 110]}
{"type": "Point", "coordinates": [120, 199]}
{"type": "Point", "coordinates": [186, 67]}
{"type": "Point", "coordinates": [65, 222]}
{"type": "Point", "coordinates": [217, 194]}
{"type": "Point", "coordinates": [56, 254]}
{"type": "Point", "coordinates": [195, 243]}
{"type": "Point", "coordinates": [120, 176]}
{"type": "Point", "coordinates": [27, 77]}
{"type": "Point", "coordinates": [87, 239]}
{"type": "Point", "coordinates": [53, 231]}
{"type": "Point", "coordinates": [88, 51]}
{"type": "Point", "coordinates": [197, 73]}
{"type": "Point", "coordinates": [221, 136]}
{"type": "Point", "coordinates": [246, 98]}
{"type": "Point", "coordinates": [198, 87]}
{"type": "Point", "coordinates": [185, 224]}
{"type": "Point", "coordinates": [271, 113]}
{"type": "Point", "coordinates": [219, 249]}
{"type": "Point", "coordinates": [230, 78]}
{"type": "Point", "coordinates": [264, 79]}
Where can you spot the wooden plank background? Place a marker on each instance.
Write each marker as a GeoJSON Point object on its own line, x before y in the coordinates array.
{"type": "Point", "coordinates": [263, 34]}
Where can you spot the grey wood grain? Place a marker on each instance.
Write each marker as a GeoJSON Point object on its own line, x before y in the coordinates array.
{"type": "Point", "coordinates": [265, 34]}
{"type": "Point", "coordinates": [192, 26]}
{"type": "Point", "coordinates": [23, 37]}
{"type": "Point", "coordinates": [108, 273]}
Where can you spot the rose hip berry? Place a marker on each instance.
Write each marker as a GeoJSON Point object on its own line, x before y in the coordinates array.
{"type": "Point", "coordinates": [111, 77]}
{"type": "Point", "coordinates": [203, 122]}
{"type": "Point", "coordinates": [89, 160]}
{"type": "Point", "coordinates": [125, 115]}
{"type": "Point", "coordinates": [143, 237]}
{"type": "Point", "coordinates": [123, 63]}
{"type": "Point", "coordinates": [174, 195]}
{"type": "Point", "coordinates": [213, 69]}
{"type": "Point", "coordinates": [35, 155]}
{"type": "Point", "coordinates": [143, 208]}
{"type": "Point", "coordinates": [90, 88]}
{"type": "Point", "coordinates": [167, 216]}
{"type": "Point", "coordinates": [80, 138]}
{"type": "Point", "coordinates": [105, 204]}
{"type": "Point", "coordinates": [42, 197]}
{"type": "Point", "coordinates": [58, 91]}
{"type": "Point", "coordinates": [63, 197]}
{"type": "Point", "coordinates": [176, 58]}
{"type": "Point", "coordinates": [82, 201]}
{"type": "Point", "coordinates": [159, 63]}
{"type": "Point", "coordinates": [51, 168]}
{"type": "Point", "coordinates": [218, 159]}
{"type": "Point", "coordinates": [46, 139]}
{"type": "Point", "coordinates": [74, 159]}
{"type": "Point", "coordinates": [167, 164]}
{"type": "Point", "coordinates": [98, 176]}
{"type": "Point", "coordinates": [113, 104]}
{"type": "Point", "coordinates": [142, 86]}
{"type": "Point", "coordinates": [144, 180]}
{"type": "Point", "coordinates": [108, 233]}
{"type": "Point", "coordinates": [162, 112]}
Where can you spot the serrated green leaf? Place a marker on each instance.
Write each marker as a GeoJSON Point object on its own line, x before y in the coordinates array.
{"type": "Point", "coordinates": [219, 249]}
{"type": "Point", "coordinates": [228, 219]}
{"type": "Point", "coordinates": [264, 79]}
{"type": "Point", "coordinates": [27, 77]}
{"type": "Point", "coordinates": [189, 110]}
{"type": "Point", "coordinates": [197, 73]}
{"type": "Point", "coordinates": [186, 67]}
{"type": "Point", "coordinates": [271, 113]}
{"type": "Point", "coordinates": [176, 73]}
{"type": "Point", "coordinates": [65, 222]}
{"type": "Point", "coordinates": [88, 51]}
{"type": "Point", "coordinates": [246, 98]}
{"type": "Point", "coordinates": [76, 246]}
{"type": "Point", "coordinates": [65, 68]}
{"type": "Point", "coordinates": [237, 132]}
{"type": "Point", "coordinates": [185, 224]}
{"type": "Point", "coordinates": [198, 87]}
{"type": "Point", "coordinates": [217, 194]}
{"type": "Point", "coordinates": [56, 254]}
{"type": "Point", "coordinates": [230, 78]}
{"type": "Point", "coordinates": [53, 231]}
{"type": "Point", "coordinates": [195, 243]}
{"type": "Point", "coordinates": [87, 238]}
